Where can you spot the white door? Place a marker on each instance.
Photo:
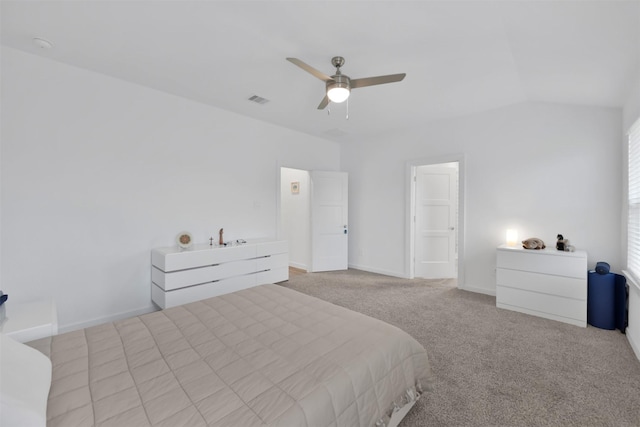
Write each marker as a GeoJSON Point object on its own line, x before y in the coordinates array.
{"type": "Point", "coordinates": [435, 222]}
{"type": "Point", "coordinates": [329, 226]}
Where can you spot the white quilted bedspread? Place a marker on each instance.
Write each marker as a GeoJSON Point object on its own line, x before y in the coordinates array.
{"type": "Point", "coordinates": [262, 356]}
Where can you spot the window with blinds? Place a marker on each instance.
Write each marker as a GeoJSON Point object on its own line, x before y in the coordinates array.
{"type": "Point", "coordinates": [633, 226]}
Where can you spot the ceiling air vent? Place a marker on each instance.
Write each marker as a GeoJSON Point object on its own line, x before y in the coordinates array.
{"type": "Point", "coordinates": [258, 99]}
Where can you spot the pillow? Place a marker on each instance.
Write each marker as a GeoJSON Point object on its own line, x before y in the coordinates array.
{"type": "Point", "coordinates": [24, 389]}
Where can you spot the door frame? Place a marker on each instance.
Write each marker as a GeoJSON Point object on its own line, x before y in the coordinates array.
{"type": "Point", "coordinates": [411, 167]}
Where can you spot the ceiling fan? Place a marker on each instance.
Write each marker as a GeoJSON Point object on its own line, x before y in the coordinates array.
{"type": "Point", "coordinates": [339, 85]}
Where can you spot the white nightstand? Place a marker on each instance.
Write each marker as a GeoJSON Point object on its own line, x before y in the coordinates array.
{"type": "Point", "coordinates": [30, 321]}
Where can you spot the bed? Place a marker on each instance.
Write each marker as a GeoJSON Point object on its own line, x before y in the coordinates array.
{"type": "Point", "coordinates": [267, 355]}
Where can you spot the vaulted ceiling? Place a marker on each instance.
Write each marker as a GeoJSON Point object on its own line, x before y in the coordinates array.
{"type": "Point", "coordinates": [461, 57]}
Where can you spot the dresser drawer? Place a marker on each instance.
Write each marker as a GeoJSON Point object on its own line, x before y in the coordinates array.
{"type": "Point", "coordinates": [199, 258]}
{"type": "Point", "coordinates": [273, 261]}
{"type": "Point", "coordinates": [541, 304]}
{"type": "Point", "coordinates": [568, 287]}
{"type": "Point", "coordinates": [200, 292]}
{"type": "Point", "coordinates": [197, 276]}
{"type": "Point", "coordinates": [276, 275]}
{"type": "Point", "coordinates": [271, 248]}
{"type": "Point", "coordinates": [544, 262]}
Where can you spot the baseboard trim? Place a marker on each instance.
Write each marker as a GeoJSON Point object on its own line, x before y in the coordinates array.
{"type": "Point", "coordinates": [468, 288]}
{"type": "Point", "coordinates": [377, 271]}
{"type": "Point", "coordinates": [106, 319]}
{"type": "Point", "coordinates": [299, 266]}
{"type": "Point", "coordinates": [477, 290]}
{"type": "Point", "coordinates": [634, 345]}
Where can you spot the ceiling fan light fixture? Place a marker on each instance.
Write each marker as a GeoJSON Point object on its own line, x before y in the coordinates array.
{"type": "Point", "coordinates": [338, 94]}
{"type": "Point", "coordinates": [338, 89]}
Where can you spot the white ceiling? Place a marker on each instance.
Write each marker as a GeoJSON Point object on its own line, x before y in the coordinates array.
{"type": "Point", "coordinates": [460, 57]}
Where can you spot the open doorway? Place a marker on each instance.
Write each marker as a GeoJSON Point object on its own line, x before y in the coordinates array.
{"type": "Point", "coordinates": [295, 215]}
{"type": "Point", "coordinates": [313, 217]}
{"type": "Point", "coordinates": [435, 232]}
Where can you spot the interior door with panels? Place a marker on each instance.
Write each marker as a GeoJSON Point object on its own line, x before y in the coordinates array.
{"type": "Point", "coordinates": [329, 221]}
{"type": "Point", "coordinates": [435, 221]}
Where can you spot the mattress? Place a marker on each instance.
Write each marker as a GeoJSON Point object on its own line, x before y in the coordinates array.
{"type": "Point", "coordinates": [267, 355]}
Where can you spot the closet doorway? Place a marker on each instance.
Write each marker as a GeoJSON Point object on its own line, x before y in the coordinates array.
{"type": "Point", "coordinates": [295, 216]}
{"type": "Point", "coordinates": [435, 231]}
{"type": "Point", "coordinates": [313, 217]}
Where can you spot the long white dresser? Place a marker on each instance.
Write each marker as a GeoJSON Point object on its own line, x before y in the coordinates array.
{"type": "Point", "coordinates": [180, 276]}
{"type": "Point", "coordinates": [546, 283]}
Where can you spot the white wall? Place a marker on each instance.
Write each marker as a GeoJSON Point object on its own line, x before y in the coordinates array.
{"type": "Point", "coordinates": [296, 216]}
{"type": "Point", "coordinates": [97, 171]}
{"type": "Point", "coordinates": [541, 168]}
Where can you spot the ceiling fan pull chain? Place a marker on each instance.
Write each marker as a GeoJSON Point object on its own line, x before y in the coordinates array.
{"type": "Point", "coordinates": [347, 118]}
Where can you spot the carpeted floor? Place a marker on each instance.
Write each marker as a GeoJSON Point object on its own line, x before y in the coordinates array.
{"type": "Point", "coordinates": [494, 367]}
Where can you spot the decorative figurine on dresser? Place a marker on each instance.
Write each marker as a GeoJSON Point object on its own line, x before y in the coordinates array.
{"type": "Point", "coordinates": [184, 240]}
{"type": "Point", "coordinates": [563, 244]}
{"type": "Point", "coordinates": [533, 243]}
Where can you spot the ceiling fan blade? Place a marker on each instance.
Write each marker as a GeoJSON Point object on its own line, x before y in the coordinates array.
{"type": "Point", "coordinates": [323, 103]}
{"type": "Point", "coordinates": [378, 80]}
{"type": "Point", "coordinates": [309, 69]}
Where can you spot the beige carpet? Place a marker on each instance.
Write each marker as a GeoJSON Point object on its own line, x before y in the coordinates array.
{"type": "Point", "coordinates": [495, 367]}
